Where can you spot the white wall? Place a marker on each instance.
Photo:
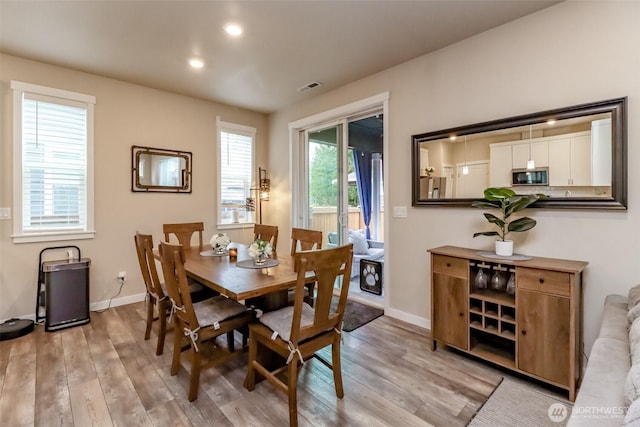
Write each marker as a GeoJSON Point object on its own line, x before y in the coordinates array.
{"type": "Point", "coordinates": [125, 115]}
{"type": "Point", "coordinates": [571, 53]}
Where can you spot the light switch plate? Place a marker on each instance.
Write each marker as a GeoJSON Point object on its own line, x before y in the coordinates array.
{"type": "Point", "coordinates": [5, 213]}
{"type": "Point", "coordinates": [399, 211]}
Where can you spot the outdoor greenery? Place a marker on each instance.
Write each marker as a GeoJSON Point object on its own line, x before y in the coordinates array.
{"type": "Point", "coordinates": [322, 186]}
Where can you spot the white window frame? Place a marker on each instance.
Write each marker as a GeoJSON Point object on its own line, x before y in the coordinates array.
{"type": "Point", "coordinates": [19, 234]}
{"type": "Point", "coordinates": [223, 126]}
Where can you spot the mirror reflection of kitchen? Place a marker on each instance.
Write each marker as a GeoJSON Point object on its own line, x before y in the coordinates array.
{"type": "Point", "coordinates": [563, 158]}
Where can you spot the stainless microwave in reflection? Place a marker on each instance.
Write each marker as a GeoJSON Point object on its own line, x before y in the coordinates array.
{"type": "Point", "coordinates": [537, 176]}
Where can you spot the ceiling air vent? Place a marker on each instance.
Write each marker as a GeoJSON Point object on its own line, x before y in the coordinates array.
{"type": "Point", "coordinates": [309, 86]}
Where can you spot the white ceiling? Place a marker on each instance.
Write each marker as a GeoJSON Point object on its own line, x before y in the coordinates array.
{"type": "Point", "coordinates": [285, 45]}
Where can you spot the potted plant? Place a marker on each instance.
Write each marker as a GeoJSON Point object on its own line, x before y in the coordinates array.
{"type": "Point", "coordinates": [507, 202]}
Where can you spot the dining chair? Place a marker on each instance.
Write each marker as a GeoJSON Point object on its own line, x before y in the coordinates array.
{"type": "Point", "coordinates": [297, 332]}
{"type": "Point", "coordinates": [184, 232]}
{"type": "Point", "coordinates": [156, 290]}
{"type": "Point", "coordinates": [156, 294]}
{"type": "Point", "coordinates": [268, 233]}
{"type": "Point", "coordinates": [199, 322]}
{"type": "Point", "coordinates": [305, 240]}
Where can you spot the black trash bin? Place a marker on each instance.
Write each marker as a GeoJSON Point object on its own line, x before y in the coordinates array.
{"type": "Point", "coordinates": [65, 296]}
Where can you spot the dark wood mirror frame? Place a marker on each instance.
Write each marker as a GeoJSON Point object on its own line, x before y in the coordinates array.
{"type": "Point", "coordinates": [151, 184]}
{"type": "Point", "coordinates": [617, 108]}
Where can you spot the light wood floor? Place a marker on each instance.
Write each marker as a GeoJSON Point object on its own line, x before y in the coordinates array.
{"type": "Point", "coordinates": [104, 373]}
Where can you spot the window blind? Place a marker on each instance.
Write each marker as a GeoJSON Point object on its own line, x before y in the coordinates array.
{"type": "Point", "coordinates": [54, 164]}
{"type": "Point", "coordinates": [236, 165]}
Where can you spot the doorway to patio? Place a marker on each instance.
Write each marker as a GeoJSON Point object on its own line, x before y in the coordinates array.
{"type": "Point", "coordinates": [340, 190]}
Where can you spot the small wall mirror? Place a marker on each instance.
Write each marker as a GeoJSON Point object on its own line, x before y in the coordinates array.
{"type": "Point", "coordinates": [160, 170]}
{"type": "Point", "coordinates": [574, 155]}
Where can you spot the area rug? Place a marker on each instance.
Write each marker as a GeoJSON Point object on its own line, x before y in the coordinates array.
{"type": "Point", "coordinates": [519, 404]}
{"type": "Point", "coordinates": [357, 314]}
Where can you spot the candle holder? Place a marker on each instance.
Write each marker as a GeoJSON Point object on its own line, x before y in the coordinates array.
{"type": "Point", "coordinates": [233, 253]}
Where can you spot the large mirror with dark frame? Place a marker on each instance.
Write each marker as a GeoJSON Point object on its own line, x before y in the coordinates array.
{"type": "Point", "coordinates": [159, 170]}
{"type": "Point", "coordinates": [576, 156]}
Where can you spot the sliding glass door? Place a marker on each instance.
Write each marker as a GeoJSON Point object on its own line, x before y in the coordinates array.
{"type": "Point", "coordinates": [337, 183]}
{"type": "Point", "coordinates": [326, 189]}
{"type": "Point", "coordinates": [341, 184]}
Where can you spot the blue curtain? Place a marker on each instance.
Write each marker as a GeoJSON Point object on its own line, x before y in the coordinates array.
{"type": "Point", "coordinates": [362, 163]}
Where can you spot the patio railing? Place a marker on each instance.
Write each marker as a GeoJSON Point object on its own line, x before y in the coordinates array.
{"type": "Point", "coordinates": [325, 220]}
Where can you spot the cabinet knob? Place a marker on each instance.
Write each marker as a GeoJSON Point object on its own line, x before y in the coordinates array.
{"type": "Point", "coordinates": [448, 264]}
{"type": "Point", "coordinates": [461, 314]}
{"type": "Point", "coordinates": [541, 280]}
{"type": "Point", "coordinates": [524, 332]}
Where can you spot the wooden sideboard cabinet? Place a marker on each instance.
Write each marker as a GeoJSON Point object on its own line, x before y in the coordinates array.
{"type": "Point", "coordinates": [537, 331]}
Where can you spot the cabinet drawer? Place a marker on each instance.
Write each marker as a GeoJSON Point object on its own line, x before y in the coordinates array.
{"type": "Point", "coordinates": [552, 282]}
{"type": "Point", "coordinates": [451, 266]}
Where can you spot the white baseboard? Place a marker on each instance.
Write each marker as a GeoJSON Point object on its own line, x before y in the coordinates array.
{"type": "Point", "coordinates": [423, 322]}
{"type": "Point", "coordinates": [130, 299]}
{"type": "Point", "coordinates": [94, 306]}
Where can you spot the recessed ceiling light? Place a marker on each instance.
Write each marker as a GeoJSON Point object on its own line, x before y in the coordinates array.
{"type": "Point", "coordinates": [196, 63]}
{"type": "Point", "coordinates": [233, 29]}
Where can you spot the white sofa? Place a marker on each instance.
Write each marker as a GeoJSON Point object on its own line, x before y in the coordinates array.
{"type": "Point", "coordinates": [601, 397]}
{"type": "Point", "coordinates": [362, 249]}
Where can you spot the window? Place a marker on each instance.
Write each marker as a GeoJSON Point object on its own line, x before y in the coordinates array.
{"type": "Point", "coordinates": [235, 157]}
{"type": "Point", "coordinates": [53, 164]}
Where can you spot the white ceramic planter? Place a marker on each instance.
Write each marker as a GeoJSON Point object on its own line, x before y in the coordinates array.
{"type": "Point", "coordinates": [504, 248]}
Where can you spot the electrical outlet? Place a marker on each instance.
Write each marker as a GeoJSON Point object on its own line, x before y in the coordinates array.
{"type": "Point", "coordinates": [122, 275]}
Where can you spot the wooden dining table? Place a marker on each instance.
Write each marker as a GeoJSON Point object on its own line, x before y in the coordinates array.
{"type": "Point", "coordinates": [265, 288]}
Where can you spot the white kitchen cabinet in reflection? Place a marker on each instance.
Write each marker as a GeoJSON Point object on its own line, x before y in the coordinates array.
{"type": "Point", "coordinates": [570, 160]}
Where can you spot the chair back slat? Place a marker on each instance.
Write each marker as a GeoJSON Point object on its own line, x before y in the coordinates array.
{"type": "Point", "coordinates": [175, 278]}
{"type": "Point", "coordinates": [144, 249]}
{"type": "Point", "coordinates": [305, 240]}
{"type": "Point", "coordinates": [267, 233]}
{"type": "Point", "coordinates": [184, 232]}
{"type": "Point", "coordinates": [328, 265]}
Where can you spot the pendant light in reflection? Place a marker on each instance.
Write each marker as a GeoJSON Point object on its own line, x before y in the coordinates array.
{"type": "Point", "coordinates": [465, 168]}
{"type": "Point", "coordinates": [530, 164]}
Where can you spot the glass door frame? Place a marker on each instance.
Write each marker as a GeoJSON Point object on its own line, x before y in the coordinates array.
{"type": "Point", "coordinates": [298, 154]}
{"type": "Point", "coordinates": [342, 203]}
{"type": "Point", "coordinates": [298, 170]}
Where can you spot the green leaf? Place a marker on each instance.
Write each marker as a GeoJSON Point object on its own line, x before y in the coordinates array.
{"type": "Point", "coordinates": [486, 233]}
{"type": "Point", "coordinates": [494, 219]}
{"type": "Point", "coordinates": [522, 224]}
{"type": "Point", "coordinates": [498, 194]}
{"type": "Point", "coordinates": [485, 205]}
{"type": "Point", "coordinates": [521, 202]}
